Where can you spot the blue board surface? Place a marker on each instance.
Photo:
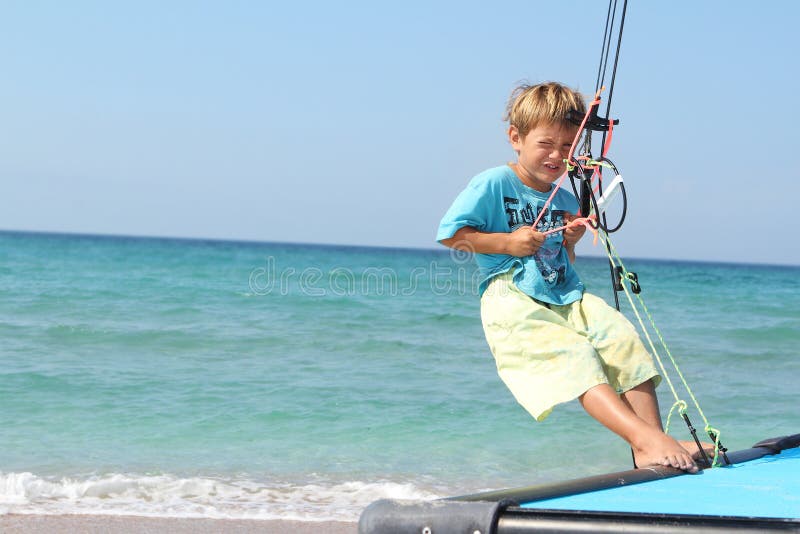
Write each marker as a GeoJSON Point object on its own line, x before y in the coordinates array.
{"type": "Point", "coordinates": [765, 487]}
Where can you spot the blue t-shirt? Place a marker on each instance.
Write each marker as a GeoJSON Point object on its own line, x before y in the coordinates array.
{"type": "Point", "coordinates": [496, 200]}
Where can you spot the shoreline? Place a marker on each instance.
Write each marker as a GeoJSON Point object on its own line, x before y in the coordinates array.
{"type": "Point", "coordinates": [96, 524]}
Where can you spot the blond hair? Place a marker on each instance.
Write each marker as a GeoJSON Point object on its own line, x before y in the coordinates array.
{"type": "Point", "coordinates": [531, 106]}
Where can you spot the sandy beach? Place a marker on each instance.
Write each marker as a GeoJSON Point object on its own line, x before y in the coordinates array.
{"type": "Point", "coordinates": [33, 524]}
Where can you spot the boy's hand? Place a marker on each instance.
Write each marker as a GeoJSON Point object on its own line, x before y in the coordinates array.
{"type": "Point", "coordinates": [524, 241]}
{"type": "Point", "coordinates": [572, 234]}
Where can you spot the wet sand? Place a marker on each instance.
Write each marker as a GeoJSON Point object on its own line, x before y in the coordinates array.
{"type": "Point", "coordinates": [96, 524]}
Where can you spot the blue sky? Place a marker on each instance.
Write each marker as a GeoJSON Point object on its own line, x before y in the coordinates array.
{"type": "Point", "coordinates": [359, 122]}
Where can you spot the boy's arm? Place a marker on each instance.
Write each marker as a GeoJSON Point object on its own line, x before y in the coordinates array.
{"type": "Point", "coordinates": [523, 241]}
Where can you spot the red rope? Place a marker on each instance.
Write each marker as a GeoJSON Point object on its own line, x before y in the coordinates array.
{"type": "Point", "coordinates": [586, 221]}
{"type": "Point", "coordinates": [569, 159]}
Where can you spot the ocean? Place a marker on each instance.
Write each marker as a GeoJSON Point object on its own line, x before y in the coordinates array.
{"type": "Point", "coordinates": [191, 378]}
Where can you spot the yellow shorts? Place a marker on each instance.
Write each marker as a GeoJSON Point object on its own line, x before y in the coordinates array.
{"type": "Point", "coordinates": [549, 354]}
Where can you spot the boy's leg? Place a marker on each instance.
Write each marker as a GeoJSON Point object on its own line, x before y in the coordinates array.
{"type": "Point", "coordinates": [649, 443]}
{"type": "Point", "coordinates": [643, 401]}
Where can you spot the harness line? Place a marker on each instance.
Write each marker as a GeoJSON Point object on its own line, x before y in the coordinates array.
{"type": "Point", "coordinates": [679, 404]}
{"type": "Point", "coordinates": [626, 278]}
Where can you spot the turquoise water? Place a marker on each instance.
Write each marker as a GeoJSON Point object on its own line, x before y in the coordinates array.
{"type": "Point", "coordinates": [223, 379]}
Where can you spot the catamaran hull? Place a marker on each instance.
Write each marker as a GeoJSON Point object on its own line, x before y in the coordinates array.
{"type": "Point", "coordinates": [759, 491]}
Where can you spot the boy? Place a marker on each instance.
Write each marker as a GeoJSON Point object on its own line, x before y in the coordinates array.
{"type": "Point", "coordinates": [553, 342]}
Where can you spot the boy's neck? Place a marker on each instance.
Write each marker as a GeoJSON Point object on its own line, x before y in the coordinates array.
{"type": "Point", "coordinates": [541, 187]}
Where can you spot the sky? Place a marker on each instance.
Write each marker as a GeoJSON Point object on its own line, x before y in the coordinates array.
{"type": "Point", "coordinates": [358, 123]}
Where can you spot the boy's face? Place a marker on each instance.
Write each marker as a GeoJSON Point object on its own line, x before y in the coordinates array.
{"type": "Point", "coordinates": [541, 153]}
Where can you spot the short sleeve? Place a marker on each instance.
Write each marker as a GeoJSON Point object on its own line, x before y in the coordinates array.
{"type": "Point", "coordinates": [470, 208]}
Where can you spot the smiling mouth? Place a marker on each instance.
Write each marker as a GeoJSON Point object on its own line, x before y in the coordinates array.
{"type": "Point", "coordinates": [552, 167]}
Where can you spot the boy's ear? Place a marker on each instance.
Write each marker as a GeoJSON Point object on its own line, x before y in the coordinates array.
{"type": "Point", "coordinates": [513, 136]}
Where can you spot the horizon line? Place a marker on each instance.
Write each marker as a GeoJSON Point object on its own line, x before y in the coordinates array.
{"type": "Point", "coordinates": [55, 233]}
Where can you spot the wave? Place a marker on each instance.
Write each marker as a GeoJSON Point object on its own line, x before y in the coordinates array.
{"type": "Point", "coordinates": [196, 497]}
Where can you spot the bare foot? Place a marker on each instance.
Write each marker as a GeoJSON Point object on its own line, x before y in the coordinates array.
{"type": "Point", "coordinates": [658, 449]}
{"type": "Point", "coordinates": [691, 446]}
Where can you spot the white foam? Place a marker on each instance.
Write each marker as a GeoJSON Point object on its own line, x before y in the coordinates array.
{"type": "Point", "coordinates": [170, 496]}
